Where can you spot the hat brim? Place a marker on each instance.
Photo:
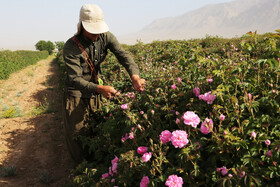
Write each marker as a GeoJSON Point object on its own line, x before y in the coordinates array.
{"type": "Point", "coordinates": [95, 28]}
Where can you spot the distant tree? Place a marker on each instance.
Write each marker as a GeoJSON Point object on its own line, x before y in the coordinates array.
{"type": "Point", "coordinates": [40, 45]}
{"type": "Point", "coordinates": [45, 46]}
{"type": "Point", "coordinates": [59, 45]}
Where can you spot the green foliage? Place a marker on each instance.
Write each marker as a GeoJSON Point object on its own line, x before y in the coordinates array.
{"type": "Point", "coordinates": [11, 112]}
{"type": "Point", "coordinates": [12, 61]}
{"type": "Point", "coordinates": [8, 171]}
{"type": "Point", "coordinates": [245, 74]}
{"type": "Point", "coordinates": [43, 45]}
{"type": "Point", "coordinates": [46, 178]}
{"type": "Point", "coordinates": [43, 108]}
{"type": "Point", "coordinates": [59, 45]}
{"type": "Point", "coordinates": [62, 70]}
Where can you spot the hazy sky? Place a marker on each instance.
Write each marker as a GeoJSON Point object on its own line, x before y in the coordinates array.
{"type": "Point", "coordinates": [25, 22]}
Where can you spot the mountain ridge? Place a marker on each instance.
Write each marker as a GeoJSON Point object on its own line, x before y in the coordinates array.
{"type": "Point", "coordinates": [226, 20]}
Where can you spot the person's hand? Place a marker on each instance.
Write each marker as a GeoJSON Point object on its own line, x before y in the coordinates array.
{"type": "Point", "coordinates": [138, 83]}
{"type": "Point", "coordinates": [107, 91]}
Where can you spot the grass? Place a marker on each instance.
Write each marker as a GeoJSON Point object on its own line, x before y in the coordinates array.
{"type": "Point", "coordinates": [48, 82]}
{"type": "Point", "coordinates": [39, 110]}
{"type": "Point", "coordinates": [20, 93]}
{"type": "Point", "coordinates": [11, 112]}
{"type": "Point", "coordinates": [42, 109]}
{"type": "Point", "coordinates": [46, 178]}
{"type": "Point", "coordinates": [30, 73]}
{"type": "Point", "coordinates": [8, 171]}
{"type": "Point", "coordinates": [5, 107]}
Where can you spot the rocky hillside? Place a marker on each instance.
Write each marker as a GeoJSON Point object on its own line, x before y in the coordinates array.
{"type": "Point", "coordinates": [226, 20]}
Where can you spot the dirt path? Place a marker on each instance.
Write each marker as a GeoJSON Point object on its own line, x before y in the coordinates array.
{"type": "Point", "coordinates": [33, 143]}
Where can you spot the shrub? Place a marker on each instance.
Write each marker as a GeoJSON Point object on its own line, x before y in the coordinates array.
{"type": "Point", "coordinates": [217, 94]}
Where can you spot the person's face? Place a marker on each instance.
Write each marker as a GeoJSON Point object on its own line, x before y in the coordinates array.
{"type": "Point", "coordinates": [92, 37]}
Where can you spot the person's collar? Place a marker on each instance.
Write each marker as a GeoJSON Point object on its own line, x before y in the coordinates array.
{"type": "Point", "coordinates": [83, 39]}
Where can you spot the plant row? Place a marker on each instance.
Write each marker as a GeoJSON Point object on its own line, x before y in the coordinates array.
{"type": "Point", "coordinates": [209, 116]}
{"type": "Point", "coordinates": [12, 61]}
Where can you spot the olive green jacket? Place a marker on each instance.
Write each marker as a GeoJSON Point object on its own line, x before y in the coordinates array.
{"type": "Point", "coordinates": [79, 80]}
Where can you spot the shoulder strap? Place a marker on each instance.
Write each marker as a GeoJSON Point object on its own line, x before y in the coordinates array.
{"type": "Point", "coordinates": [87, 59]}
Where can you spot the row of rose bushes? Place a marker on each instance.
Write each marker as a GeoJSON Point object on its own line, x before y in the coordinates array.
{"type": "Point", "coordinates": [209, 116]}
{"type": "Point", "coordinates": [12, 61]}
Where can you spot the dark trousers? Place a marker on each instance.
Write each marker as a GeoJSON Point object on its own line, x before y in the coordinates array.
{"type": "Point", "coordinates": [77, 112]}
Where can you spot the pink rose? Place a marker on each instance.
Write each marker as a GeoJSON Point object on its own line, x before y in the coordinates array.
{"type": "Point", "coordinates": [165, 136]}
{"type": "Point", "coordinates": [222, 117]}
{"type": "Point", "coordinates": [196, 91]}
{"type": "Point", "coordinates": [146, 157]}
{"type": "Point", "coordinates": [223, 170]}
{"type": "Point", "coordinates": [173, 86]}
{"type": "Point", "coordinates": [115, 160]}
{"type": "Point", "coordinates": [105, 175]}
{"type": "Point", "coordinates": [190, 118]}
{"type": "Point", "coordinates": [267, 142]}
{"type": "Point", "coordinates": [179, 79]}
{"type": "Point", "coordinates": [249, 96]}
{"type": "Point", "coordinates": [253, 134]}
{"type": "Point", "coordinates": [124, 138]}
{"type": "Point", "coordinates": [242, 174]}
{"type": "Point", "coordinates": [131, 135]}
{"type": "Point", "coordinates": [174, 181]}
{"type": "Point", "coordinates": [206, 126]}
{"type": "Point", "coordinates": [179, 138]}
{"type": "Point", "coordinates": [208, 97]}
{"type": "Point", "coordinates": [209, 80]}
{"type": "Point", "coordinates": [142, 149]}
{"type": "Point", "coordinates": [110, 171]}
{"type": "Point", "coordinates": [124, 106]}
{"type": "Point", "coordinates": [268, 153]}
{"type": "Point", "coordinates": [114, 167]}
{"type": "Point", "coordinates": [144, 182]}
{"type": "Point", "coordinates": [178, 121]}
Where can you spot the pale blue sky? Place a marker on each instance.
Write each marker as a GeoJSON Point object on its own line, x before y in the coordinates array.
{"type": "Point", "coordinates": [25, 22]}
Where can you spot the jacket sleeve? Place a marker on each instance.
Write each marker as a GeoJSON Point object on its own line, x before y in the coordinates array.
{"type": "Point", "coordinates": [124, 58]}
{"type": "Point", "coordinates": [73, 58]}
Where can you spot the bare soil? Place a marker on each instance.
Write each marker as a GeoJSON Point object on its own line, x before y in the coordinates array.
{"type": "Point", "coordinates": [34, 143]}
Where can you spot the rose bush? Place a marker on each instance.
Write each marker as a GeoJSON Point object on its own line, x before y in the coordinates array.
{"type": "Point", "coordinates": [221, 95]}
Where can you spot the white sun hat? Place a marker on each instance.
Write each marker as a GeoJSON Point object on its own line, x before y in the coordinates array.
{"type": "Point", "coordinates": [92, 19]}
